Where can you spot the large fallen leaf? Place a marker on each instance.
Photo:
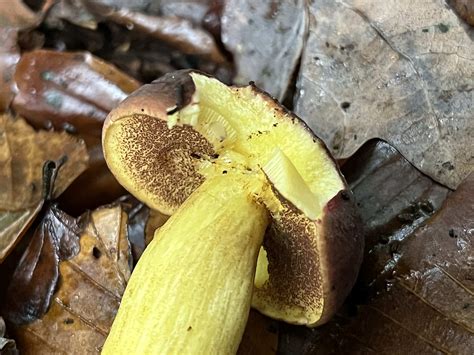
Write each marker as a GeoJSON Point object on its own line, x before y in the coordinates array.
{"type": "Point", "coordinates": [425, 306]}
{"type": "Point", "coordinates": [23, 152]}
{"type": "Point", "coordinates": [391, 208]}
{"type": "Point", "coordinates": [67, 288]}
{"type": "Point", "coordinates": [400, 70]}
{"type": "Point", "coordinates": [266, 39]}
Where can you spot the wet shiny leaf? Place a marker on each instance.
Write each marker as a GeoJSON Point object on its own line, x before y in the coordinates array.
{"type": "Point", "coordinates": [70, 91]}
{"type": "Point", "coordinates": [398, 70]}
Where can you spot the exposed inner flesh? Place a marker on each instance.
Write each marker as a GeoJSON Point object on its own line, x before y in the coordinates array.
{"type": "Point", "coordinates": [252, 136]}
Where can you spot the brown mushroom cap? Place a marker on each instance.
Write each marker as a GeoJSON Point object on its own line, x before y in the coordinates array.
{"type": "Point", "coordinates": [166, 138]}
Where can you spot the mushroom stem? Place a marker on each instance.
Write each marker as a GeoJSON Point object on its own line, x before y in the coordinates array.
{"type": "Point", "coordinates": [192, 288]}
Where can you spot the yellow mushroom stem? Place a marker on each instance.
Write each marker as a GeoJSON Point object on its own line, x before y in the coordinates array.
{"type": "Point", "coordinates": [191, 289]}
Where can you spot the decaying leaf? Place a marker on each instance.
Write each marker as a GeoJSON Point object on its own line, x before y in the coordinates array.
{"type": "Point", "coordinates": [196, 11]}
{"type": "Point", "coordinates": [76, 11]}
{"type": "Point", "coordinates": [23, 152]}
{"type": "Point", "coordinates": [400, 70]}
{"type": "Point", "coordinates": [69, 283]}
{"type": "Point", "coordinates": [266, 39]}
{"type": "Point", "coordinates": [425, 306]}
{"type": "Point", "coordinates": [16, 15]}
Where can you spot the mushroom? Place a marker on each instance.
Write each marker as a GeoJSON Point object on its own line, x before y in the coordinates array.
{"type": "Point", "coordinates": [234, 169]}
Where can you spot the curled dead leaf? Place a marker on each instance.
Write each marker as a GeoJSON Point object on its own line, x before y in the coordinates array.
{"type": "Point", "coordinates": [398, 70]}
{"type": "Point", "coordinates": [69, 283]}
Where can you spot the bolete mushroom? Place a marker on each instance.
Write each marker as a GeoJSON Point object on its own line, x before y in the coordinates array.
{"type": "Point", "coordinates": [234, 169]}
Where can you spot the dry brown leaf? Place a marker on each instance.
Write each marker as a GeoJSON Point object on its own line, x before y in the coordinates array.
{"type": "Point", "coordinates": [13, 224]}
{"type": "Point", "coordinates": [23, 151]}
{"type": "Point", "coordinates": [400, 70]}
{"type": "Point", "coordinates": [266, 39]}
{"type": "Point", "coordinates": [425, 306]}
{"type": "Point", "coordinates": [92, 280]}
{"type": "Point", "coordinates": [35, 276]}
